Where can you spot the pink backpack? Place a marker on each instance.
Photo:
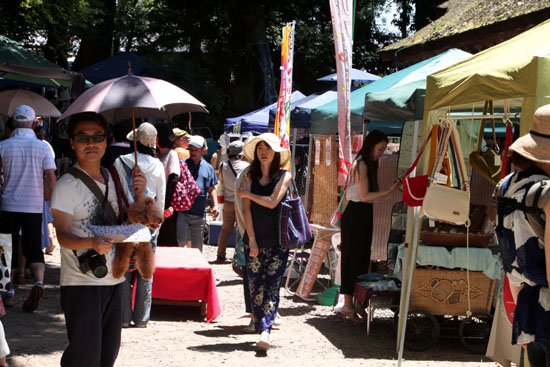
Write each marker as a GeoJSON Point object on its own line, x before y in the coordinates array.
{"type": "Point", "coordinates": [186, 191]}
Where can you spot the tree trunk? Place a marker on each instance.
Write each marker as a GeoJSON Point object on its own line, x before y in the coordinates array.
{"type": "Point", "coordinates": [254, 84]}
{"type": "Point", "coordinates": [97, 44]}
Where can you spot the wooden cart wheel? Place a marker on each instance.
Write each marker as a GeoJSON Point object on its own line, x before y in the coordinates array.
{"type": "Point", "coordinates": [422, 330]}
{"type": "Point", "coordinates": [474, 332]}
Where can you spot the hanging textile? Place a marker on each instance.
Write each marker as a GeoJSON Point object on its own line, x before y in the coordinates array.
{"type": "Point", "coordinates": [282, 118]}
{"type": "Point", "coordinates": [342, 28]}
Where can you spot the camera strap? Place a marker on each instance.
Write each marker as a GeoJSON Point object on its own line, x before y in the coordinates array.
{"type": "Point", "coordinates": [92, 186]}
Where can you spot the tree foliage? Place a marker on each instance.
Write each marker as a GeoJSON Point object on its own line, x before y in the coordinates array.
{"type": "Point", "coordinates": [224, 52]}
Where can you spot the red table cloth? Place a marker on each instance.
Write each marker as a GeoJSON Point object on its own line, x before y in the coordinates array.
{"type": "Point", "coordinates": [183, 274]}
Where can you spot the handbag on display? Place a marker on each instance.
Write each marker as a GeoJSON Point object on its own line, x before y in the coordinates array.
{"type": "Point", "coordinates": [294, 229]}
{"type": "Point", "coordinates": [186, 190]}
{"type": "Point", "coordinates": [414, 188]}
{"type": "Point", "coordinates": [444, 203]}
{"type": "Point", "coordinates": [487, 163]}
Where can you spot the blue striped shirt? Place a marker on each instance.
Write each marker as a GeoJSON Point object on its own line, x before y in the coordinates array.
{"type": "Point", "coordinates": [24, 160]}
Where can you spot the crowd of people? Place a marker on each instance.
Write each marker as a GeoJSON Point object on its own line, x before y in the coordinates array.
{"type": "Point", "coordinates": [250, 184]}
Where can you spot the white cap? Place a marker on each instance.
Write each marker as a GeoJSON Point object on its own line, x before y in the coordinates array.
{"type": "Point", "coordinates": [197, 141]}
{"type": "Point", "coordinates": [24, 113]}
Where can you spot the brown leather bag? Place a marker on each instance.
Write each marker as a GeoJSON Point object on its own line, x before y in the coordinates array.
{"type": "Point", "coordinates": [484, 162]}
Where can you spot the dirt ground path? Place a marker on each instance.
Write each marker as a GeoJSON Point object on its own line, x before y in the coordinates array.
{"type": "Point", "coordinates": [310, 335]}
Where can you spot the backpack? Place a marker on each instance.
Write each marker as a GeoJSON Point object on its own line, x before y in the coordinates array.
{"type": "Point", "coordinates": [186, 190]}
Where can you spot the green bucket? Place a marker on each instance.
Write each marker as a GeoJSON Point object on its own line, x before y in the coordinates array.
{"type": "Point", "coordinates": [328, 297]}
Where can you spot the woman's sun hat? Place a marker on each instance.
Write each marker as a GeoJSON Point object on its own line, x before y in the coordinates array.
{"type": "Point", "coordinates": [146, 134]}
{"type": "Point", "coordinates": [270, 139]}
{"type": "Point", "coordinates": [536, 145]}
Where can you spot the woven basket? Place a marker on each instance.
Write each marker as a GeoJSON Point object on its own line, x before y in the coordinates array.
{"type": "Point", "coordinates": [454, 239]}
{"type": "Point", "coordinates": [325, 181]}
{"type": "Point", "coordinates": [445, 292]}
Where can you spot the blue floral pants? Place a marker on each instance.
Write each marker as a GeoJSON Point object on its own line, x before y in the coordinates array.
{"type": "Point", "coordinates": [265, 275]}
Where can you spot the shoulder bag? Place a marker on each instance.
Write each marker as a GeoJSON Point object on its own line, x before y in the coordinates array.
{"type": "Point", "coordinates": [294, 229]}
{"type": "Point", "coordinates": [186, 190]}
{"type": "Point", "coordinates": [443, 203]}
{"type": "Point", "coordinates": [414, 188]}
{"type": "Point", "coordinates": [487, 163]}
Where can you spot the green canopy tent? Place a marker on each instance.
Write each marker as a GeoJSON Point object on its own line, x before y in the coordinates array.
{"type": "Point", "coordinates": [324, 119]}
{"type": "Point", "coordinates": [18, 63]}
{"type": "Point", "coordinates": [513, 73]}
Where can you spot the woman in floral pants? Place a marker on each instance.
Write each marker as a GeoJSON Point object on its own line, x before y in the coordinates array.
{"type": "Point", "coordinates": [262, 190]}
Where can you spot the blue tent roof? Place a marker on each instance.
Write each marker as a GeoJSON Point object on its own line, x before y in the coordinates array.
{"type": "Point", "coordinates": [117, 66]}
{"type": "Point", "coordinates": [258, 120]}
{"type": "Point", "coordinates": [300, 111]}
{"type": "Point", "coordinates": [357, 75]}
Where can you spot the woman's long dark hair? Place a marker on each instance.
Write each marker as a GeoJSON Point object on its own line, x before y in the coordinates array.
{"type": "Point", "coordinates": [366, 152]}
{"type": "Point", "coordinates": [256, 168]}
{"type": "Point", "coordinates": [166, 137]}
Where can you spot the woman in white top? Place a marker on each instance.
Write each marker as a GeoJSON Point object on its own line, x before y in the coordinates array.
{"type": "Point", "coordinates": [153, 170]}
{"type": "Point", "coordinates": [357, 219]}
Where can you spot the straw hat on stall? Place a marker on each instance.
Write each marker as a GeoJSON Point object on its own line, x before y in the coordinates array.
{"type": "Point", "coordinates": [270, 139]}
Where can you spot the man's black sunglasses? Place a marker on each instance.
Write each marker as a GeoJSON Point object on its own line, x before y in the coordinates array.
{"type": "Point", "coordinates": [83, 138]}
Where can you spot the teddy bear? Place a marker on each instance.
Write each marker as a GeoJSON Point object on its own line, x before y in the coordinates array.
{"type": "Point", "coordinates": [142, 211]}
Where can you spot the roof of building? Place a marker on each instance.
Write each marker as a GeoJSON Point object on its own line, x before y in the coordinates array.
{"type": "Point", "coordinates": [491, 21]}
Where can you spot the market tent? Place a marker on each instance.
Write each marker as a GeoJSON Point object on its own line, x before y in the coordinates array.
{"type": "Point", "coordinates": [18, 63]}
{"type": "Point", "coordinates": [116, 66]}
{"type": "Point", "coordinates": [256, 121]}
{"type": "Point", "coordinates": [324, 119]}
{"type": "Point", "coordinates": [358, 76]}
{"type": "Point", "coordinates": [517, 68]}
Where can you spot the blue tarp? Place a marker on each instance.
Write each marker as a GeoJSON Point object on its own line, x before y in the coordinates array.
{"type": "Point", "coordinates": [258, 120]}
{"type": "Point", "coordinates": [117, 66]}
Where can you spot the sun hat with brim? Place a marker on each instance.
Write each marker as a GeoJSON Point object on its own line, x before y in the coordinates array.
{"type": "Point", "coordinates": [179, 133]}
{"type": "Point", "coordinates": [270, 139]}
{"type": "Point", "coordinates": [536, 145]}
{"type": "Point", "coordinates": [146, 134]}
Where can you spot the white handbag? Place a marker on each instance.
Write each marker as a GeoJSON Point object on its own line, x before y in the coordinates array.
{"type": "Point", "coordinates": [443, 203]}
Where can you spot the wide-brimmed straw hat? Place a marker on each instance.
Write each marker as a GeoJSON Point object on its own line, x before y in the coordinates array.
{"type": "Point", "coordinates": [179, 133]}
{"type": "Point", "coordinates": [270, 139]}
{"type": "Point", "coordinates": [536, 145]}
{"type": "Point", "coordinates": [146, 134]}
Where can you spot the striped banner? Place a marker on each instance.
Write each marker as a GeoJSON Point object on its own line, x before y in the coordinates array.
{"type": "Point", "coordinates": [342, 28]}
{"type": "Point", "coordinates": [282, 118]}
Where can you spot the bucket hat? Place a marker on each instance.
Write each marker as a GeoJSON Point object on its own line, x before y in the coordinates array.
{"type": "Point", "coordinates": [179, 133]}
{"type": "Point", "coordinates": [235, 148]}
{"type": "Point", "coordinates": [146, 135]}
{"type": "Point", "coordinates": [536, 145]}
{"type": "Point", "coordinates": [270, 139]}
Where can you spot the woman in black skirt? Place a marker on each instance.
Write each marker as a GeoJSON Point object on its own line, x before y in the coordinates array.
{"type": "Point", "coordinates": [357, 219]}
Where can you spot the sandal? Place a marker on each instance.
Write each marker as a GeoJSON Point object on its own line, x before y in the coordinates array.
{"type": "Point", "coordinates": [349, 313]}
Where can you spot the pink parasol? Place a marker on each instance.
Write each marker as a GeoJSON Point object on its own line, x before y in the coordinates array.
{"type": "Point", "coordinates": [129, 96]}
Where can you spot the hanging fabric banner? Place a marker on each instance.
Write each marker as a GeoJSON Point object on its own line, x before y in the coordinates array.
{"type": "Point", "coordinates": [342, 28]}
{"type": "Point", "coordinates": [282, 118]}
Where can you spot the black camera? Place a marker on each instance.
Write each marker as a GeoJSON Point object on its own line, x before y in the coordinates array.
{"type": "Point", "coordinates": [94, 262]}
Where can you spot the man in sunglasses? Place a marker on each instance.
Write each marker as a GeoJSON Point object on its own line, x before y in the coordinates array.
{"type": "Point", "coordinates": [91, 301]}
{"type": "Point", "coordinates": [29, 178]}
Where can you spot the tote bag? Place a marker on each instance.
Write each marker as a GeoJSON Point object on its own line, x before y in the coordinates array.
{"type": "Point", "coordinates": [443, 203]}
{"type": "Point", "coordinates": [294, 229]}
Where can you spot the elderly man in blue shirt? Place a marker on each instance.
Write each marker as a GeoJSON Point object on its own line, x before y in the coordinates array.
{"type": "Point", "coordinates": [193, 221]}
